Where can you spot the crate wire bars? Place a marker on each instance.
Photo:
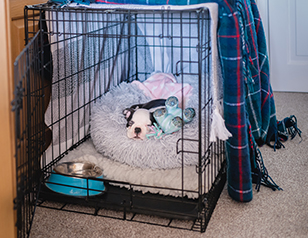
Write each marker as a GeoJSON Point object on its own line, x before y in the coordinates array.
{"type": "Point", "coordinates": [113, 46]}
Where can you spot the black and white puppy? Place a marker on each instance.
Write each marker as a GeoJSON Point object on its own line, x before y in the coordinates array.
{"type": "Point", "coordinates": [140, 116]}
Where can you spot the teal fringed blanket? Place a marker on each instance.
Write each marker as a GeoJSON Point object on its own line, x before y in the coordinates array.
{"type": "Point", "coordinates": [249, 108]}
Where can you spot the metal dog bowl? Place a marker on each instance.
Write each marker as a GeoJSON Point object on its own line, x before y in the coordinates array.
{"type": "Point", "coordinates": [76, 179]}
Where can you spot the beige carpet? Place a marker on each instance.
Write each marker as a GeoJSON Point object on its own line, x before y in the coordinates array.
{"type": "Point", "coordinates": [270, 214]}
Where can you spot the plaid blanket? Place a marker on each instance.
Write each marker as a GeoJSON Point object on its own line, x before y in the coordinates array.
{"type": "Point", "coordinates": [249, 105]}
{"type": "Point", "coordinates": [249, 108]}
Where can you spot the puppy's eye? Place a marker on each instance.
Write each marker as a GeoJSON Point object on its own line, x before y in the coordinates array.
{"type": "Point", "coordinates": [130, 123]}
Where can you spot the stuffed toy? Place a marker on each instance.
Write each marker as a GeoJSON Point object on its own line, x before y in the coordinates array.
{"type": "Point", "coordinates": [169, 119]}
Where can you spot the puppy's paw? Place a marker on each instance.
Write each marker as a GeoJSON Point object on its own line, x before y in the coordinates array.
{"type": "Point", "coordinates": [128, 112]}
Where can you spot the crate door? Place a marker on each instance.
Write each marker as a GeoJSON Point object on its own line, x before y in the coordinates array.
{"type": "Point", "coordinates": [30, 131]}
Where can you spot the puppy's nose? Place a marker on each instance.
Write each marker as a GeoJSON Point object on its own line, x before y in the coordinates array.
{"type": "Point", "coordinates": [137, 130]}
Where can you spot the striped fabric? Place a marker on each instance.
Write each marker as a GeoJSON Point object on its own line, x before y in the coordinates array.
{"type": "Point", "coordinates": [249, 108]}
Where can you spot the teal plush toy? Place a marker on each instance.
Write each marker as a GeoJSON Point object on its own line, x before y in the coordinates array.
{"type": "Point", "coordinates": [170, 119]}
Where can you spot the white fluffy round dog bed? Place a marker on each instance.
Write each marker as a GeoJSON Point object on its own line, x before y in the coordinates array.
{"type": "Point", "coordinates": [108, 132]}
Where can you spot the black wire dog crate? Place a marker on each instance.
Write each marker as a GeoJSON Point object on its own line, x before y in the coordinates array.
{"type": "Point", "coordinates": [75, 57]}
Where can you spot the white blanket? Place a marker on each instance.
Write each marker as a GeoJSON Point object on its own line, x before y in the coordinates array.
{"type": "Point", "coordinates": [169, 181]}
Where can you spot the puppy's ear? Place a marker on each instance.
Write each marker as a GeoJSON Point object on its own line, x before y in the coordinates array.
{"type": "Point", "coordinates": [136, 106]}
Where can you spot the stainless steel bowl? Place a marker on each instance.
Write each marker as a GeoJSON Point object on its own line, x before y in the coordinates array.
{"type": "Point", "coordinates": [76, 179]}
{"type": "Point", "coordinates": [79, 169]}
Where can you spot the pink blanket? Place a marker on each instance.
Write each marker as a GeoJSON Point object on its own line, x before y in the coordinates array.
{"type": "Point", "coordinates": [163, 85]}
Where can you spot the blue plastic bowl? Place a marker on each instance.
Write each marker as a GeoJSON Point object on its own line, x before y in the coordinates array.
{"type": "Point", "coordinates": [76, 179]}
